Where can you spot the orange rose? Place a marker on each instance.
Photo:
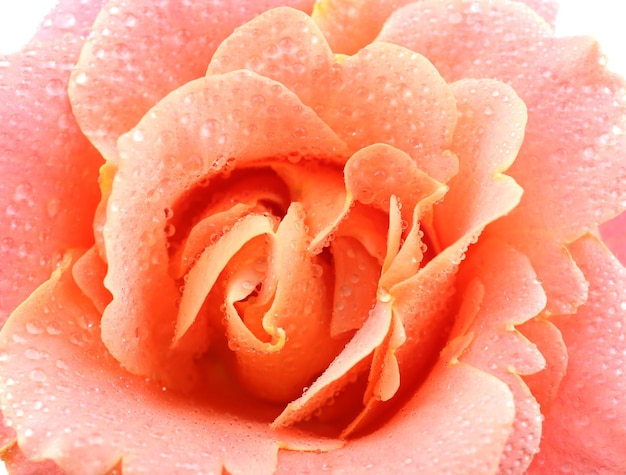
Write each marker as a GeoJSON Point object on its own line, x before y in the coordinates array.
{"type": "Point", "coordinates": [361, 241]}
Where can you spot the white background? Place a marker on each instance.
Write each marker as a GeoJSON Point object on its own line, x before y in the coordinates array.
{"type": "Point", "coordinates": [602, 18]}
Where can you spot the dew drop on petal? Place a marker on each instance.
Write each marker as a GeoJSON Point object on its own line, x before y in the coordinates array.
{"type": "Point", "coordinates": [37, 375]}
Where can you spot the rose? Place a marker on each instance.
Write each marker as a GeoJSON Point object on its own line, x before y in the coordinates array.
{"type": "Point", "coordinates": [486, 423]}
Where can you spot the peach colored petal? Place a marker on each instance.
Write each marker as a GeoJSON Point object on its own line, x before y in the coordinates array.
{"type": "Point", "coordinates": [139, 51]}
{"type": "Point", "coordinates": [383, 378]}
{"type": "Point", "coordinates": [348, 25]}
{"type": "Point", "coordinates": [425, 318]}
{"type": "Point", "coordinates": [561, 278]}
{"type": "Point", "coordinates": [194, 134]}
{"type": "Point", "coordinates": [207, 231]}
{"type": "Point", "coordinates": [89, 273]}
{"type": "Point", "coordinates": [465, 438]}
{"type": "Point", "coordinates": [486, 140]}
{"type": "Point", "coordinates": [207, 268]}
{"type": "Point", "coordinates": [512, 295]}
{"type": "Point", "coordinates": [340, 370]}
{"type": "Point", "coordinates": [614, 235]}
{"type": "Point", "coordinates": [376, 172]}
{"type": "Point", "coordinates": [576, 107]}
{"type": "Point", "coordinates": [356, 280]}
{"type": "Point", "coordinates": [282, 44]}
{"type": "Point", "coordinates": [454, 34]}
{"type": "Point", "coordinates": [547, 9]}
{"type": "Point", "coordinates": [584, 427]}
{"type": "Point", "coordinates": [321, 191]}
{"type": "Point", "coordinates": [364, 224]}
{"type": "Point", "coordinates": [545, 383]}
{"type": "Point", "coordinates": [419, 112]}
{"type": "Point", "coordinates": [45, 163]}
{"type": "Point", "coordinates": [408, 259]}
{"type": "Point", "coordinates": [89, 411]}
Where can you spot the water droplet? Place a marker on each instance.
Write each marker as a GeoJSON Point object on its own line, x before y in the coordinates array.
{"type": "Point", "coordinates": [55, 87]}
{"type": "Point", "coordinates": [384, 296]}
{"type": "Point", "coordinates": [34, 328]}
{"type": "Point", "coordinates": [64, 20]}
{"type": "Point", "coordinates": [32, 354]}
{"type": "Point", "coordinates": [366, 195]}
{"type": "Point", "coordinates": [169, 230]}
{"type": "Point", "coordinates": [81, 78]}
{"type": "Point", "coordinates": [122, 51]}
{"type": "Point", "coordinates": [53, 207]}
{"type": "Point", "coordinates": [138, 135]}
{"type": "Point", "coordinates": [129, 20]}
{"type": "Point", "coordinates": [37, 375]}
{"type": "Point", "coordinates": [53, 328]}
{"type": "Point", "coordinates": [247, 285]}
{"type": "Point", "coordinates": [455, 18]}
{"type": "Point", "coordinates": [318, 271]}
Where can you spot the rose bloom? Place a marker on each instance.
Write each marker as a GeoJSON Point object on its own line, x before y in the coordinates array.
{"type": "Point", "coordinates": [258, 237]}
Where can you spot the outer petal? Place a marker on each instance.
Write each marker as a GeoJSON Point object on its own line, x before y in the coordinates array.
{"type": "Point", "coordinates": [45, 163]}
{"type": "Point", "coordinates": [141, 50]}
{"type": "Point", "coordinates": [511, 296]}
{"type": "Point", "coordinates": [69, 400]}
{"type": "Point", "coordinates": [465, 438]}
{"type": "Point", "coordinates": [584, 428]}
{"type": "Point", "coordinates": [486, 140]}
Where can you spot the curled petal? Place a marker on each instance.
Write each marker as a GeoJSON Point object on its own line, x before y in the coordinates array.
{"type": "Point", "coordinates": [191, 136]}
{"type": "Point", "coordinates": [548, 339]}
{"type": "Point", "coordinates": [297, 321]}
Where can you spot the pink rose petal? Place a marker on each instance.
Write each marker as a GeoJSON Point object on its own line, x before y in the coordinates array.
{"type": "Point", "coordinates": [584, 427]}
{"type": "Point", "coordinates": [349, 26]}
{"type": "Point", "coordinates": [139, 51]}
{"type": "Point", "coordinates": [511, 296]}
{"type": "Point", "coordinates": [73, 17]}
{"type": "Point", "coordinates": [45, 163]}
{"type": "Point", "coordinates": [614, 236]}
